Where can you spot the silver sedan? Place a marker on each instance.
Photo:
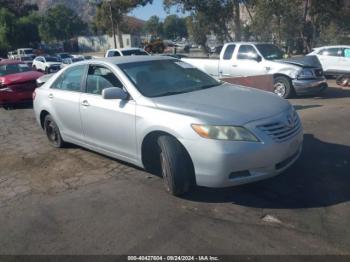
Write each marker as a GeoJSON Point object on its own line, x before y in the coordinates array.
{"type": "Point", "coordinates": [172, 119]}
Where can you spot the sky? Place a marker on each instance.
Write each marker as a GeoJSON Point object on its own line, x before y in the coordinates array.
{"type": "Point", "coordinates": [156, 8]}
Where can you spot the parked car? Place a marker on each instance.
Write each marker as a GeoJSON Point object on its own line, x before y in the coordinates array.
{"type": "Point", "coordinates": [24, 53]}
{"type": "Point", "coordinates": [167, 116]}
{"type": "Point", "coordinates": [71, 60]}
{"type": "Point", "coordinates": [299, 76]}
{"type": "Point", "coordinates": [125, 52]}
{"type": "Point", "coordinates": [62, 56]}
{"type": "Point", "coordinates": [17, 82]}
{"type": "Point", "coordinates": [28, 60]}
{"type": "Point", "coordinates": [11, 55]}
{"type": "Point", "coordinates": [47, 64]}
{"type": "Point", "coordinates": [335, 60]}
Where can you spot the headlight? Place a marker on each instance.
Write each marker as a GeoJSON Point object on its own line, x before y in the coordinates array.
{"type": "Point", "coordinates": [233, 133]}
{"type": "Point", "coordinates": [305, 74]}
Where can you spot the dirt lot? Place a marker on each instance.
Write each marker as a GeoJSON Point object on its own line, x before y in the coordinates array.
{"type": "Point", "coordinates": [73, 201]}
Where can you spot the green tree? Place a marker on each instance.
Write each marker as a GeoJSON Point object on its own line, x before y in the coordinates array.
{"type": "Point", "coordinates": [198, 29]}
{"type": "Point", "coordinates": [18, 7]}
{"type": "Point", "coordinates": [28, 30]}
{"type": "Point", "coordinates": [60, 23]}
{"type": "Point", "coordinates": [153, 26]}
{"type": "Point", "coordinates": [219, 15]}
{"type": "Point", "coordinates": [113, 12]}
{"type": "Point", "coordinates": [174, 27]}
{"type": "Point", "coordinates": [7, 30]}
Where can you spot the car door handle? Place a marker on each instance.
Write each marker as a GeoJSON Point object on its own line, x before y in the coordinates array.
{"type": "Point", "coordinates": [234, 65]}
{"type": "Point", "coordinates": [51, 96]}
{"type": "Point", "coordinates": [85, 103]}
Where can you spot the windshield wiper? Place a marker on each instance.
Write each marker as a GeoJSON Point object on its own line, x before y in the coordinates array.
{"type": "Point", "coordinates": [173, 93]}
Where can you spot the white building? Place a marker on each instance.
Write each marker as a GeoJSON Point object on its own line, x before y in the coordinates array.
{"type": "Point", "coordinates": [104, 42]}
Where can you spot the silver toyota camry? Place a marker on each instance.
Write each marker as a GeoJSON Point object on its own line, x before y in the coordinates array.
{"type": "Point", "coordinates": [170, 118]}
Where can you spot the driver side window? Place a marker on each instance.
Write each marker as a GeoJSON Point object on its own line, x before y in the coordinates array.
{"type": "Point", "coordinates": [99, 78]}
{"type": "Point", "coordinates": [246, 52]}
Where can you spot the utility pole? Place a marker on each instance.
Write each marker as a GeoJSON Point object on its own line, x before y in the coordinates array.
{"type": "Point", "coordinates": [112, 21]}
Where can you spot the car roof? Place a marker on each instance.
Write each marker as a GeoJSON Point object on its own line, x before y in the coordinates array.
{"type": "Point", "coordinates": [10, 62]}
{"type": "Point", "coordinates": [132, 59]}
{"type": "Point", "coordinates": [124, 49]}
{"type": "Point", "coordinates": [332, 46]}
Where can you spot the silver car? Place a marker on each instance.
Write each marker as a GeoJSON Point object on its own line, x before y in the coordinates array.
{"type": "Point", "coordinates": [168, 117]}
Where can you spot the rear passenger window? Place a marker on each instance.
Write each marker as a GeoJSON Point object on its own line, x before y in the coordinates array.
{"type": "Point", "coordinates": [331, 52]}
{"type": "Point", "coordinates": [229, 52]}
{"type": "Point", "coordinates": [113, 53]}
{"type": "Point", "coordinates": [70, 80]}
{"type": "Point", "coordinates": [99, 78]}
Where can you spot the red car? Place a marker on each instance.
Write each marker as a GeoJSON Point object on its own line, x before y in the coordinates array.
{"type": "Point", "coordinates": [17, 83]}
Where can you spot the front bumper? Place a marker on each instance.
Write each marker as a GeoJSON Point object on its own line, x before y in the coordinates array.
{"type": "Point", "coordinates": [220, 163]}
{"type": "Point", "coordinates": [309, 86]}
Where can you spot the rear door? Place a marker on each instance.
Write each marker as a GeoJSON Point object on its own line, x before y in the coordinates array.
{"type": "Point", "coordinates": [245, 63]}
{"type": "Point", "coordinates": [64, 97]}
{"type": "Point", "coordinates": [108, 124]}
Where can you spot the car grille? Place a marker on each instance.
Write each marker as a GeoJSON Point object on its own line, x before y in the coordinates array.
{"type": "Point", "coordinates": [318, 72]}
{"type": "Point", "coordinates": [283, 130]}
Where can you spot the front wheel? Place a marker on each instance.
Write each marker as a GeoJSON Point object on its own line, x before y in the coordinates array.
{"type": "Point", "coordinates": [176, 166]}
{"type": "Point", "coordinates": [282, 87]}
{"type": "Point", "coordinates": [52, 132]}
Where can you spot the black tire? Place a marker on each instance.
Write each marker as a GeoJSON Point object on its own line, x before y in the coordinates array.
{"type": "Point", "coordinates": [47, 70]}
{"type": "Point", "coordinates": [283, 87]}
{"type": "Point", "coordinates": [34, 68]}
{"type": "Point", "coordinates": [176, 166]}
{"type": "Point", "coordinates": [52, 132]}
{"type": "Point", "coordinates": [343, 80]}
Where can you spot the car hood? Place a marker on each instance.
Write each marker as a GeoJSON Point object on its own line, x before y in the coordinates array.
{"type": "Point", "coordinates": [224, 104]}
{"type": "Point", "coordinates": [20, 77]}
{"type": "Point", "coordinates": [310, 61]}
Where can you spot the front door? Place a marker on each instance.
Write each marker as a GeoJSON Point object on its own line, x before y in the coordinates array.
{"type": "Point", "coordinates": [246, 63]}
{"type": "Point", "coordinates": [108, 124]}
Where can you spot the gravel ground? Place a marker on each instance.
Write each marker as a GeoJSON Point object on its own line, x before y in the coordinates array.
{"type": "Point", "coordinates": [74, 201]}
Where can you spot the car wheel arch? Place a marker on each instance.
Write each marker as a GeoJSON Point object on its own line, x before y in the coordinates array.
{"type": "Point", "coordinates": [150, 144]}
{"type": "Point", "coordinates": [43, 114]}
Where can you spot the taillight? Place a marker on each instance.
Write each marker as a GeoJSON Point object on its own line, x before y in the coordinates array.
{"type": "Point", "coordinates": [33, 95]}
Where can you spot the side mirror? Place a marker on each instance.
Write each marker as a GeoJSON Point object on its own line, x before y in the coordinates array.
{"type": "Point", "coordinates": [114, 93]}
{"type": "Point", "coordinates": [258, 58]}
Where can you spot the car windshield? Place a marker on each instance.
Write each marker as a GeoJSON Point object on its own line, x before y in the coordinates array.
{"type": "Point", "coordinates": [13, 69]}
{"type": "Point", "coordinates": [166, 77]}
{"type": "Point", "coordinates": [63, 56]}
{"type": "Point", "coordinates": [133, 52]}
{"type": "Point", "coordinates": [270, 52]}
{"type": "Point", "coordinates": [51, 59]}
{"type": "Point", "coordinates": [28, 51]}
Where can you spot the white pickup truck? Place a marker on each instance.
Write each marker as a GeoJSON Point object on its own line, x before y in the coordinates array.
{"type": "Point", "coordinates": [301, 75]}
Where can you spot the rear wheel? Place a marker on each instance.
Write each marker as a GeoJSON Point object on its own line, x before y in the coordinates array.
{"type": "Point", "coordinates": [176, 166]}
{"type": "Point", "coordinates": [282, 87]}
{"type": "Point", "coordinates": [52, 132]}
